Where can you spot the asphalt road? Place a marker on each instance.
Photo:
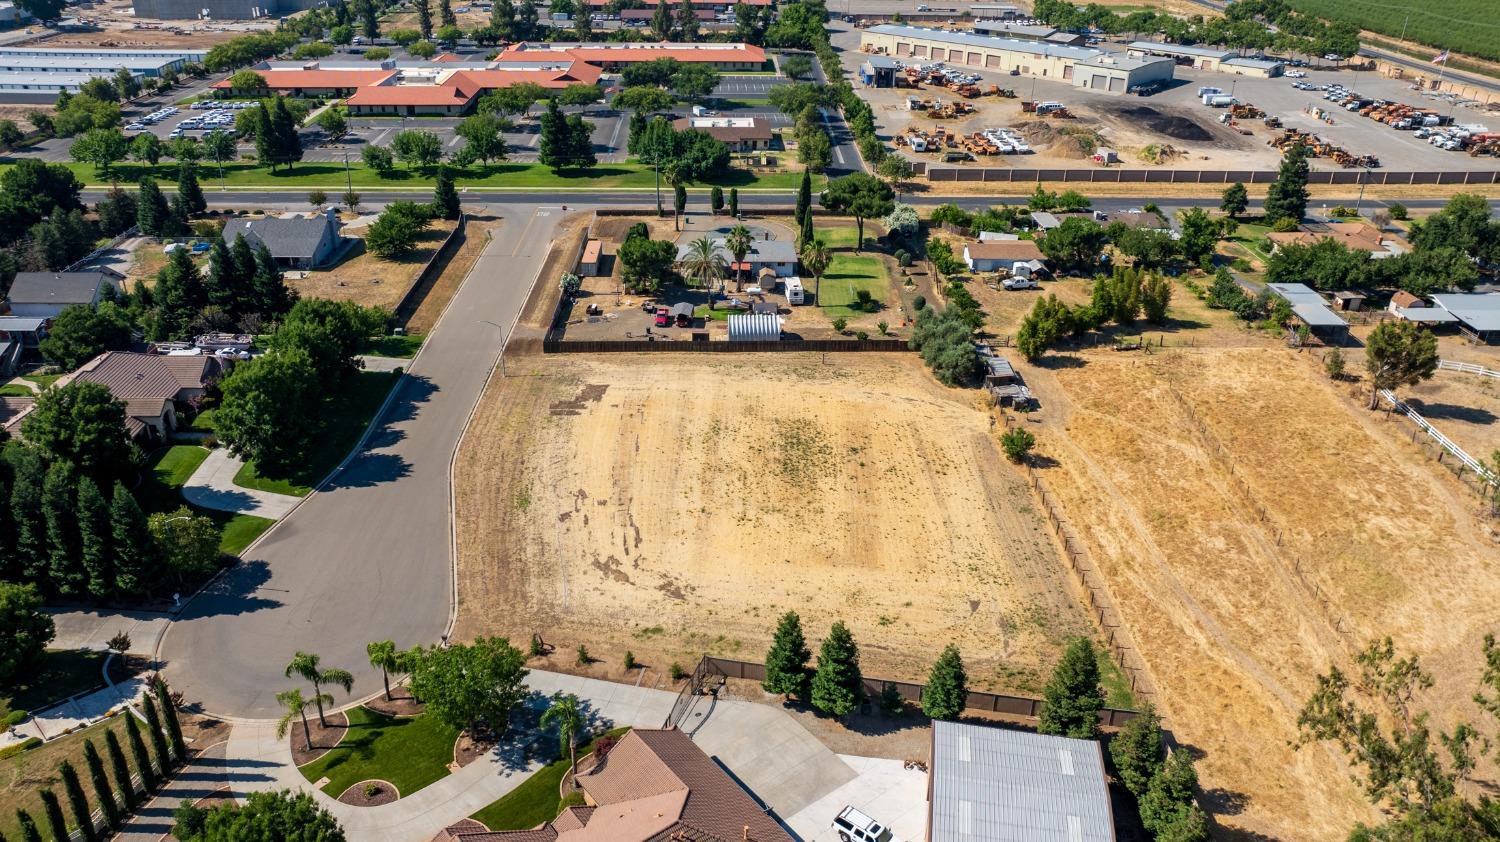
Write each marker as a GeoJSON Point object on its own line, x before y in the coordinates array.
{"type": "Point", "coordinates": [368, 556]}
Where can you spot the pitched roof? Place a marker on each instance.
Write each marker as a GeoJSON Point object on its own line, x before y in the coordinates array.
{"type": "Point", "coordinates": [454, 95]}
{"type": "Point", "coordinates": [283, 80]}
{"type": "Point", "coordinates": [728, 130]}
{"type": "Point", "coordinates": [147, 377]}
{"type": "Point", "coordinates": [1402, 298]}
{"type": "Point", "coordinates": [286, 238]}
{"type": "Point", "coordinates": [1355, 235]}
{"type": "Point", "coordinates": [56, 287]}
{"type": "Point", "coordinates": [625, 53]}
{"type": "Point", "coordinates": [1004, 250]}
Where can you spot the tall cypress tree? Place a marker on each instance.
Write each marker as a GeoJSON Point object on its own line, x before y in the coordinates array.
{"type": "Point", "coordinates": [272, 296]}
{"type": "Point", "coordinates": [1072, 699]}
{"type": "Point", "coordinates": [78, 803]}
{"type": "Point", "coordinates": [135, 554]}
{"type": "Point", "coordinates": [29, 832]}
{"type": "Point", "coordinates": [52, 809]}
{"type": "Point", "coordinates": [661, 21]}
{"type": "Point", "coordinates": [947, 690]}
{"type": "Point", "coordinates": [1287, 196]}
{"type": "Point", "coordinates": [837, 685]}
{"type": "Point", "coordinates": [178, 218]}
{"type": "Point", "coordinates": [103, 793]}
{"type": "Point", "coordinates": [94, 552]}
{"type": "Point", "coordinates": [221, 283]}
{"type": "Point", "coordinates": [804, 196]}
{"type": "Point", "coordinates": [138, 753]}
{"type": "Point", "coordinates": [63, 567]}
{"type": "Point", "coordinates": [26, 509]}
{"type": "Point", "coordinates": [445, 203]}
{"type": "Point", "coordinates": [169, 715]}
{"type": "Point", "coordinates": [445, 13]}
{"type": "Point", "coordinates": [159, 745]}
{"type": "Point", "coordinates": [424, 18]}
{"type": "Point", "coordinates": [244, 261]}
{"type": "Point", "coordinates": [120, 771]}
{"type": "Point", "coordinates": [151, 208]}
{"type": "Point", "coordinates": [786, 662]}
{"type": "Point", "coordinates": [288, 143]}
{"type": "Point", "coordinates": [189, 189]}
{"type": "Point", "coordinates": [806, 235]}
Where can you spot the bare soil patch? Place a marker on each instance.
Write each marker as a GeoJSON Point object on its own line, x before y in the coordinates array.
{"type": "Point", "coordinates": [1465, 407]}
{"type": "Point", "coordinates": [1256, 526]}
{"type": "Point", "coordinates": [401, 703]}
{"type": "Point", "coordinates": [1172, 125]}
{"type": "Point", "coordinates": [372, 281]}
{"type": "Point", "coordinates": [383, 792]}
{"type": "Point", "coordinates": [702, 498]}
{"type": "Point", "coordinates": [324, 737]}
{"type": "Point", "coordinates": [467, 750]}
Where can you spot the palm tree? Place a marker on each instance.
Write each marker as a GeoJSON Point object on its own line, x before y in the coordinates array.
{"type": "Point", "coordinates": [296, 706]}
{"type": "Point", "coordinates": [565, 714]}
{"type": "Point", "coordinates": [307, 665]}
{"type": "Point", "coordinates": [816, 256]}
{"type": "Point", "coordinates": [383, 656]}
{"type": "Point", "coordinates": [704, 263]}
{"type": "Point", "coordinates": [738, 242]}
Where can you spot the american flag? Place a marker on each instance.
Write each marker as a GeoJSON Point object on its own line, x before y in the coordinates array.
{"type": "Point", "coordinates": [1441, 58]}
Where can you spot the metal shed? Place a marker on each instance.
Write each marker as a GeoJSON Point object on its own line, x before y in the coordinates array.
{"type": "Point", "coordinates": [682, 313]}
{"type": "Point", "coordinates": [1308, 306]}
{"type": "Point", "coordinates": [754, 327]}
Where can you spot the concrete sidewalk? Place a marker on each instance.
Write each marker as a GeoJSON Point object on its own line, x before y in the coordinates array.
{"type": "Point", "coordinates": [212, 487]}
{"type": "Point", "coordinates": [77, 712]}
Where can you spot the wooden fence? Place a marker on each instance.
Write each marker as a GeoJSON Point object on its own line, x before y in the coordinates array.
{"type": "Point", "coordinates": [409, 302]}
{"type": "Point", "coordinates": [1027, 706]}
{"type": "Point", "coordinates": [632, 346]}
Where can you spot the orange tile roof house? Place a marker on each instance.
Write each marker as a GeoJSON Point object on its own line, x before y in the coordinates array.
{"type": "Point", "coordinates": [614, 56]}
{"type": "Point", "coordinates": [1361, 236]}
{"type": "Point", "coordinates": [655, 785]}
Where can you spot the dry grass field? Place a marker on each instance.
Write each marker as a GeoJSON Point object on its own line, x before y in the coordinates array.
{"type": "Point", "coordinates": [368, 280]}
{"type": "Point", "coordinates": [1465, 407]}
{"type": "Point", "coordinates": [675, 505]}
{"type": "Point", "coordinates": [1164, 462]}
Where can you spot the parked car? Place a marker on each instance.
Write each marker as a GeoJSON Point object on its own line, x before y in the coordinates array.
{"type": "Point", "coordinates": [854, 826]}
{"type": "Point", "coordinates": [663, 317]}
{"type": "Point", "coordinates": [1020, 283]}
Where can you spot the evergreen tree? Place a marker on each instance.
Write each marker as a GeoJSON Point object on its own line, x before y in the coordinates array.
{"type": "Point", "coordinates": [804, 197]}
{"type": "Point", "coordinates": [272, 296]}
{"type": "Point", "coordinates": [369, 19]}
{"type": "Point", "coordinates": [553, 146]}
{"type": "Point", "coordinates": [244, 260]}
{"type": "Point", "coordinates": [116, 212]}
{"type": "Point", "coordinates": [1287, 196]}
{"type": "Point", "coordinates": [120, 771]}
{"type": "Point", "coordinates": [222, 284]}
{"type": "Point", "coordinates": [503, 20]}
{"type": "Point", "coordinates": [1168, 809]}
{"type": "Point", "coordinates": [284, 128]}
{"type": "Point", "coordinates": [169, 715]}
{"type": "Point", "coordinates": [806, 235]}
{"type": "Point", "coordinates": [661, 22]}
{"type": "Point", "coordinates": [159, 746]}
{"type": "Point", "coordinates": [179, 295]}
{"type": "Point", "coordinates": [10, 568]}
{"type": "Point", "coordinates": [63, 569]}
{"type": "Point", "coordinates": [52, 809]}
{"type": "Point", "coordinates": [734, 202]}
{"type": "Point", "coordinates": [947, 691]}
{"type": "Point", "coordinates": [151, 209]}
{"type": "Point", "coordinates": [444, 197]}
{"type": "Point", "coordinates": [786, 662]}
{"type": "Point", "coordinates": [445, 13]}
{"type": "Point", "coordinates": [1234, 200]}
{"type": "Point", "coordinates": [78, 803]}
{"type": "Point", "coordinates": [837, 684]}
{"type": "Point", "coordinates": [94, 551]}
{"type": "Point", "coordinates": [1137, 751]}
{"type": "Point", "coordinates": [138, 753]}
{"type": "Point", "coordinates": [103, 792]}
{"type": "Point", "coordinates": [189, 189]}
{"type": "Point", "coordinates": [687, 21]}
{"type": "Point", "coordinates": [424, 18]}
{"type": "Point", "coordinates": [179, 218]}
{"type": "Point", "coordinates": [26, 511]}
{"type": "Point", "coordinates": [29, 832]}
{"type": "Point", "coordinates": [1073, 698]}
{"type": "Point", "coordinates": [135, 555]}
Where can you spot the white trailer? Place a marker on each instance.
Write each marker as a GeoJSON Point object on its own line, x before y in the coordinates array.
{"type": "Point", "coordinates": [794, 294]}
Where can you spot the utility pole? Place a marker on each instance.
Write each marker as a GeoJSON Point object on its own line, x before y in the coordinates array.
{"type": "Point", "coordinates": [348, 177]}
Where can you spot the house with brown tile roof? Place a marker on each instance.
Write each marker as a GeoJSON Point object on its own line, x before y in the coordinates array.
{"type": "Point", "coordinates": [740, 134]}
{"type": "Point", "coordinates": [655, 785]}
{"type": "Point", "coordinates": [150, 385]}
{"type": "Point", "coordinates": [1360, 236]}
{"type": "Point", "coordinates": [1019, 257]}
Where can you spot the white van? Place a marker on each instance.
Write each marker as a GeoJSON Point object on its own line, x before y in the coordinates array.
{"type": "Point", "coordinates": [854, 826]}
{"type": "Point", "coordinates": [794, 291]}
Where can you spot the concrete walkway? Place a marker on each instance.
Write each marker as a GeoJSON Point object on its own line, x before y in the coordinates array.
{"type": "Point", "coordinates": [374, 363]}
{"type": "Point", "coordinates": [212, 487]}
{"type": "Point", "coordinates": [205, 775]}
{"type": "Point", "coordinates": [77, 712]}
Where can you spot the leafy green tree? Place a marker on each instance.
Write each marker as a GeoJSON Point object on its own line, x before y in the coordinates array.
{"type": "Point", "coordinates": [661, 21]}
{"type": "Point", "coordinates": [268, 411]}
{"type": "Point", "coordinates": [1326, 264]}
{"type": "Point", "coordinates": [188, 544]}
{"type": "Point", "coordinates": [146, 148]}
{"type": "Point", "coordinates": [804, 197]}
{"type": "Point", "coordinates": [482, 136]}
{"type": "Point", "coordinates": [445, 204]}
{"type": "Point", "coordinates": [25, 630]}
{"type": "Point", "coordinates": [330, 333]}
{"type": "Point", "coordinates": [139, 754]}
{"type": "Point", "coordinates": [837, 685]}
{"type": "Point", "coordinates": [687, 21]}
{"type": "Point", "coordinates": [29, 469]}
{"type": "Point", "coordinates": [564, 714]}
{"type": "Point", "coordinates": [294, 706]}
{"type": "Point", "coordinates": [1167, 807]}
{"type": "Point", "coordinates": [383, 656]}
{"type": "Point", "coordinates": [786, 662]}
{"type": "Point", "coordinates": [135, 554]}
{"type": "Point", "coordinates": [78, 803]}
{"type": "Point", "coordinates": [120, 771]}
{"type": "Point", "coordinates": [646, 263]}
{"type": "Point", "coordinates": [734, 202]}
{"type": "Point", "coordinates": [1072, 699]}
{"type": "Point", "coordinates": [466, 684]}
{"type": "Point", "coordinates": [1423, 271]}
{"type": "Point", "coordinates": [694, 82]}
{"type": "Point", "coordinates": [1076, 243]}
{"type": "Point", "coordinates": [272, 296]}
{"type": "Point", "coordinates": [189, 189]}
{"type": "Point", "coordinates": [104, 794]}
{"type": "Point", "coordinates": [309, 667]}
{"type": "Point", "coordinates": [396, 231]}
{"type": "Point", "coordinates": [80, 332]}
{"type": "Point", "coordinates": [271, 815]}
{"type": "Point", "coordinates": [83, 425]}
{"type": "Point", "coordinates": [1399, 354]}
{"type": "Point", "coordinates": [796, 66]}
{"type": "Point", "coordinates": [379, 159]}
{"type": "Point", "coordinates": [1287, 196]}
{"type": "Point", "coordinates": [1156, 297]}
{"type": "Point", "coordinates": [101, 147]}
{"type": "Point", "coordinates": [1199, 234]}
{"type": "Point", "coordinates": [643, 99]}
{"type": "Point", "coordinates": [1235, 200]}
{"type": "Point", "coordinates": [1464, 223]}
{"type": "Point", "coordinates": [862, 196]}
{"type": "Point", "coordinates": [249, 83]}
{"type": "Point", "coordinates": [416, 148]}
{"type": "Point", "coordinates": [947, 691]}
{"type": "Point", "coordinates": [1017, 443]}
{"type": "Point", "coordinates": [116, 212]}
{"type": "Point", "coordinates": [1138, 750]}
{"type": "Point", "coordinates": [179, 295]}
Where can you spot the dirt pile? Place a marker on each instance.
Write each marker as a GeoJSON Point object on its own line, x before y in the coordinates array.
{"type": "Point", "coordinates": [1061, 140]}
{"type": "Point", "coordinates": [1171, 125]}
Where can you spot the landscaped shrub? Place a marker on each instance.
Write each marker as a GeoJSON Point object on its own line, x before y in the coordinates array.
{"type": "Point", "coordinates": [903, 258]}
{"type": "Point", "coordinates": [371, 790]}
{"type": "Point", "coordinates": [919, 303]}
{"type": "Point", "coordinates": [840, 323]}
{"type": "Point", "coordinates": [1017, 443]}
{"type": "Point", "coordinates": [864, 301]}
{"type": "Point", "coordinates": [1284, 224]}
{"type": "Point", "coordinates": [1399, 211]}
{"type": "Point", "coordinates": [676, 671]}
{"type": "Point", "coordinates": [861, 335]}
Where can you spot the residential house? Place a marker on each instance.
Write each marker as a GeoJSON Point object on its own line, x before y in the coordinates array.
{"type": "Point", "coordinates": [740, 134]}
{"type": "Point", "coordinates": [655, 785]}
{"type": "Point", "coordinates": [1001, 785]}
{"type": "Point", "coordinates": [1018, 257]}
{"type": "Point", "coordinates": [152, 386]}
{"type": "Point", "coordinates": [1411, 308]}
{"type": "Point", "coordinates": [1360, 236]}
{"type": "Point", "coordinates": [43, 295]}
{"type": "Point", "coordinates": [19, 337]}
{"type": "Point", "coordinates": [12, 411]}
{"type": "Point", "coordinates": [1047, 220]}
{"type": "Point", "coordinates": [301, 242]}
{"type": "Point", "coordinates": [779, 256]}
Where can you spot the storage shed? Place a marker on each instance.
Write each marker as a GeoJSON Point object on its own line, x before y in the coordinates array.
{"type": "Point", "coordinates": [878, 72]}
{"type": "Point", "coordinates": [588, 265]}
{"type": "Point", "coordinates": [754, 327]}
{"type": "Point", "coordinates": [682, 314]}
{"type": "Point", "coordinates": [1310, 307]}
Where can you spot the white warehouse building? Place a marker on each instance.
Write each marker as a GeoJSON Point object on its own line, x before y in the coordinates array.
{"type": "Point", "coordinates": [1082, 66]}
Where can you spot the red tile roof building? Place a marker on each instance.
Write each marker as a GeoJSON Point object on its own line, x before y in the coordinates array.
{"type": "Point", "coordinates": [614, 56]}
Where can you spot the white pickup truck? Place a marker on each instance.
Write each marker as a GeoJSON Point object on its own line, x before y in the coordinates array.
{"type": "Point", "coordinates": [854, 826]}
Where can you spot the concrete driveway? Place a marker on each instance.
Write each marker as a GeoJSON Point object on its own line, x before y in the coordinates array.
{"type": "Point", "coordinates": [368, 556]}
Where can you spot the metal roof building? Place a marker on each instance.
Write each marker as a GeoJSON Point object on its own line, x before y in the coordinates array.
{"type": "Point", "coordinates": [997, 785]}
{"type": "Point", "coordinates": [1480, 312]}
{"type": "Point", "coordinates": [1308, 305]}
{"type": "Point", "coordinates": [1042, 59]}
{"type": "Point", "coordinates": [754, 327]}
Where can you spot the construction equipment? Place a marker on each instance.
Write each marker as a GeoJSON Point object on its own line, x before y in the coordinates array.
{"type": "Point", "coordinates": [1245, 111]}
{"type": "Point", "coordinates": [1272, 122]}
{"type": "Point", "coordinates": [1004, 93]}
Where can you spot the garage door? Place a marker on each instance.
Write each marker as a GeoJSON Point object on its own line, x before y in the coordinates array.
{"type": "Point", "coordinates": [1067, 71]}
{"type": "Point", "coordinates": [938, 54]}
{"type": "Point", "coordinates": [903, 49]}
{"type": "Point", "coordinates": [992, 60]}
{"type": "Point", "coordinates": [974, 59]}
{"type": "Point", "coordinates": [1096, 82]}
{"type": "Point", "coordinates": [919, 50]}
{"type": "Point", "coordinates": [1116, 84]}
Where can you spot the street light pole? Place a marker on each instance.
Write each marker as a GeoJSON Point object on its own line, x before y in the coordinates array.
{"type": "Point", "coordinates": [502, 344]}
{"type": "Point", "coordinates": [348, 177]}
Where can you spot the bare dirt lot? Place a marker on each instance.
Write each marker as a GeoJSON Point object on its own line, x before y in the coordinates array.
{"type": "Point", "coordinates": [372, 281]}
{"type": "Point", "coordinates": [672, 505]}
{"type": "Point", "coordinates": [1465, 407]}
{"type": "Point", "coordinates": [1256, 526]}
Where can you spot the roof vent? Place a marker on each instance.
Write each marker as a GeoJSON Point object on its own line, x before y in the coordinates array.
{"type": "Point", "coordinates": [1065, 759]}
{"type": "Point", "coordinates": [965, 749]}
{"type": "Point", "coordinates": [1075, 829]}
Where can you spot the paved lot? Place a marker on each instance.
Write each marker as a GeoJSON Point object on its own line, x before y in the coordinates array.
{"type": "Point", "coordinates": [882, 789]}
{"type": "Point", "coordinates": [212, 486]}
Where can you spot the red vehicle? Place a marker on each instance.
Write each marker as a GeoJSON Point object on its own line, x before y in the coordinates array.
{"type": "Point", "coordinates": [663, 317]}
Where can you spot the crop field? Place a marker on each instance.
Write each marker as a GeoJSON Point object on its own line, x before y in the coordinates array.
{"type": "Point", "coordinates": [1256, 526]}
{"type": "Point", "coordinates": [673, 506]}
{"type": "Point", "coordinates": [1464, 26]}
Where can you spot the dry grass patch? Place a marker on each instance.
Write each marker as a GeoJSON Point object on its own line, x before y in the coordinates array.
{"type": "Point", "coordinates": [1465, 407]}
{"type": "Point", "coordinates": [672, 506]}
{"type": "Point", "coordinates": [372, 281]}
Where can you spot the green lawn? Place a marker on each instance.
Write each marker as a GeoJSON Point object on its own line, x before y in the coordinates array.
{"type": "Point", "coordinates": [836, 236]}
{"type": "Point", "coordinates": [203, 422]}
{"type": "Point", "coordinates": [719, 314]}
{"type": "Point", "coordinates": [1115, 683]}
{"type": "Point", "coordinates": [536, 799]}
{"type": "Point", "coordinates": [170, 468]}
{"type": "Point", "coordinates": [1248, 238]}
{"type": "Point", "coordinates": [239, 530]}
{"type": "Point", "coordinates": [332, 176]}
{"type": "Point", "coordinates": [64, 673]}
{"type": "Point", "coordinates": [846, 274]}
{"type": "Point", "coordinates": [405, 346]}
{"type": "Point", "coordinates": [43, 380]}
{"type": "Point", "coordinates": [345, 420]}
{"type": "Point", "coordinates": [410, 752]}
{"type": "Point", "coordinates": [10, 390]}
